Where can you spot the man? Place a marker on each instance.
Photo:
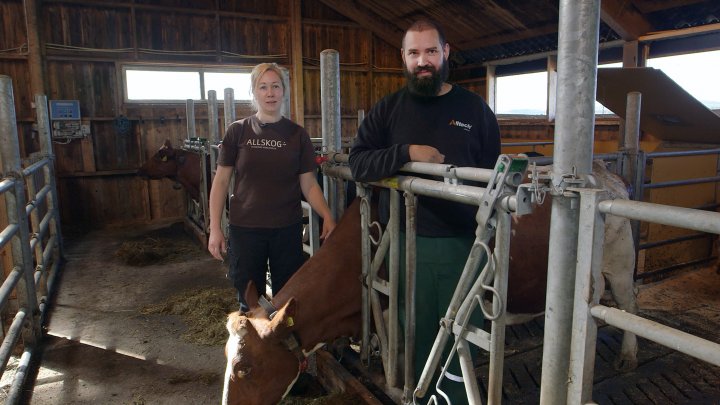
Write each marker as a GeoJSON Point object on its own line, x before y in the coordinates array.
{"type": "Point", "coordinates": [429, 120]}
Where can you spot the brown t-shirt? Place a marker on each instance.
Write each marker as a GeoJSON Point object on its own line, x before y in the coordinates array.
{"type": "Point", "coordinates": [268, 161]}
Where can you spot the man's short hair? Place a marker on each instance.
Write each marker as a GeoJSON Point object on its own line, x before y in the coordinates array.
{"type": "Point", "coordinates": [425, 24]}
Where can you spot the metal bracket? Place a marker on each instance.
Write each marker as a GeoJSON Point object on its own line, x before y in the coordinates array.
{"type": "Point", "coordinates": [509, 171]}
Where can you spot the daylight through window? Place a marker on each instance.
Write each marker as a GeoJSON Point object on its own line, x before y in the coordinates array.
{"type": "Point", "coordinates": [146, 84]}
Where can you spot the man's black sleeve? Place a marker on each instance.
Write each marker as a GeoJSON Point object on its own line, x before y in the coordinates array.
{"type": "Point", "coordinates": [372, 157]}
{"type": "Point", "coordinates": [491, 144]}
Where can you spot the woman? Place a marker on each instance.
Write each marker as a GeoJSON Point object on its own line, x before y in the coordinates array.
{"type": "Point", "coordinates": [273, 162]}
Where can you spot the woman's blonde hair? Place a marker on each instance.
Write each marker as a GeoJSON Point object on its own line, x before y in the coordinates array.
{"type": "Point", "coordinates": [258, 71]}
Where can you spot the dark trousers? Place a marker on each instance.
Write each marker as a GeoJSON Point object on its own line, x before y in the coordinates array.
{"type": "Point", "coordinates": [252, 250]}
{"type": "Point", "coordinates": [439, 264]}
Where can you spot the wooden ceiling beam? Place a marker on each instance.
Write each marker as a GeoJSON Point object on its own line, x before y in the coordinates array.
{"type": "Point", "coordinates": [624, 19]}
{"type": "Point", "coordinates": [651, 6]}
{"type": "Point", "coordinates": [390, 33]}
{"type": "Point", "coordinates": [504, 38]}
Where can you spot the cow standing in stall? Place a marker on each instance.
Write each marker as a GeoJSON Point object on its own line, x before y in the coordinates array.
{"type": "Point", "coordinates": [322, 301]}
{"type": "Point", "coordinates": [176, 164]}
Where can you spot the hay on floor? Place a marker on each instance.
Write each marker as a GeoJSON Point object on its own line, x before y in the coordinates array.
{"type": "Point", "coordinates": [170, 244]}
{"type": "Point", "coordinates": [203, 310]}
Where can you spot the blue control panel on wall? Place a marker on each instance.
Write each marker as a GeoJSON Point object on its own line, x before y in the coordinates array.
{"type": "Point", "coordinates": [65, 110]}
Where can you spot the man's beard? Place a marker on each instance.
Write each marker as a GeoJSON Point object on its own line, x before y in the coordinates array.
{"type": "Point", "coordinates": [428, 86]}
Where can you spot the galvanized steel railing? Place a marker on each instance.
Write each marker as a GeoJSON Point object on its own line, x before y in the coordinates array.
{"type": "Point", "coordinates": [32, 234]}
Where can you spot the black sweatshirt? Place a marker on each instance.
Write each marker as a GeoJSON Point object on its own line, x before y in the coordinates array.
{"type": "Point", "coordinates": [459, 124]}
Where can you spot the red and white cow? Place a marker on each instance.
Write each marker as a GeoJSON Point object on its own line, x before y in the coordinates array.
{"type": "Point", "coordinates": [322, 301]}
{"type": "Point", "coordinates": [319, 303]}
{"type": "Point", "coordinates": [176, 164]}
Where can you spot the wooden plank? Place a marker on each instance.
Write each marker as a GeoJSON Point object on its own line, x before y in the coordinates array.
{"type": "Point", "coordinates": [334, 378]}
{"type": "Point", "coordinates": [88, 154]}
{"type": "Point", "coordinates": [298, 93]}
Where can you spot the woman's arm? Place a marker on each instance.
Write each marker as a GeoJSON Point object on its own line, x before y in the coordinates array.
{"type": "Point", "coordinates": [314, 196]}
{"type": "Point", "coordinates": [218, 194]}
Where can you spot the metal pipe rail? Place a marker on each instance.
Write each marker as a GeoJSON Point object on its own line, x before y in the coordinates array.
{"type": "Point", "coordinates": [40, 164]}
{"type": "Point", "coordinates": [8, 285]}
{"type": "Point", "coordinates": [39, 199]}
{"type": "Point", "coordinates": [686, 182]}
{"type": "Point", "coordinates": [688, 218]}
{"type": "Point", "coordinates": [47, 253]}
{"type": "Point", "coordinates": [669, 337]}
{"type": "Point", "coordinates": [6, 185]}
{"type": "Point", "coordinates": [11, 338]}
{"type": "Point", "coordinates": [459, 193]}
{"type": "Point", "coordinates": [41, 231]}
{"type": "Point", "coordinates": [650, 245]}
{"type": "Point", "coordinates": [433, 169]}
{"type": "Point", "coordinates": [653, 155]}
{"type": "Point", "coordinates": [588, 270]}
{"type": "Point", "coordinates": [7, 234]}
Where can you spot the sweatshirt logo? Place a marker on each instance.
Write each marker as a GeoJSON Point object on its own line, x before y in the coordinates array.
{"type": "Point", "coordinates": [265, 143]}
{"type": "Point", "coordinates": [456, 123]}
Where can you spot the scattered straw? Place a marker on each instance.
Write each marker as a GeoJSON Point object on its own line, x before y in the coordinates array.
{"type": "Point", "coordinates": [203, 310]}
{"type": "Point", "coordinates": [169, 244]}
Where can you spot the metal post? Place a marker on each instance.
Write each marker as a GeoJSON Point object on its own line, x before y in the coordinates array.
{"type": "Point", "coordinates": [577, 72]}
{"type": "Point", "coordinates": [394, 280]}
{"type": "Point", "coordinates": [229, 107]}
{"type": "Point", "coordinates": [45, 138]}
{"type": "Point", "coordinates": [365, 195]}
{"type": "Point", "coordinates": [497, 331]}
{"type": "Point", "coordinates": [330, 106]}
{"type": "Point", "coordinates": [587, 294]}
{"type": "Point", "coordinates": [190, 115]}
{"type": "Point", "coordinates": [212, 105]}
{"type": "Point", "coordinates": [285, 107]}
{"type": "Point", "coordinates": [410, 268]}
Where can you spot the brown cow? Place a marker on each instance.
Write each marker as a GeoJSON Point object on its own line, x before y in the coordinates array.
{"type": "Point", "coordinates": [322, 300]}
{"type": "Point", "coordinates": [319, 303]}
{"type": "Point", "coordinates": [176, 164]}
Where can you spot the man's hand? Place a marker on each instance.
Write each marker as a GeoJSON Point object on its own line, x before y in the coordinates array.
{"type": "Point", "coordinates": [425, 153]}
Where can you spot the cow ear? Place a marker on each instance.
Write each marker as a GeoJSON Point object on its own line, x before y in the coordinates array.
{"type": "Point", "coordinates": [284, 320]}
{"type": "Point", "coordinates": [251, 295]}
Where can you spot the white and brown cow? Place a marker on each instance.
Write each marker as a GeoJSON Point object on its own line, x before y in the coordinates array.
{"type": "Point", "coordinates": [176, 164]}
{"type": "Point", "coordinates": [322, 301]}
{"type": "Point", "coordinates": [319, 303]}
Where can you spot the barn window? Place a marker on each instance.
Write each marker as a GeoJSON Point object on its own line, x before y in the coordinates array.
{"type": "Point", "coordinates": [176, 85]}
{"type": "Point", "coordinates": [524, 94]}
{"type": "Point", "coordinates": [219, 81]}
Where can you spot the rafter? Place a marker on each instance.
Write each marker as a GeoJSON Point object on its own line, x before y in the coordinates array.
{"type": "Point", "coordinates": [651, 6]}
{"type": "Point", "coordinates": [390, 33]}
{"type": "Point", "coordinates": [506, 37]}
{"type": "Point", "coordinates": [624, 19]}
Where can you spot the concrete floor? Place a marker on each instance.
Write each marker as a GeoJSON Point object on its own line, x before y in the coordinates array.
{"type": "Point", "coordinates": [101, 349]}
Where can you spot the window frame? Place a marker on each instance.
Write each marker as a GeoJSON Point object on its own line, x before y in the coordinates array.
{"type": "Point", "coordinates": [200, 69]}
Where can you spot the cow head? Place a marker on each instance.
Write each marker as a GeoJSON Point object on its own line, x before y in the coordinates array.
{"type": "Point", "coordinates": [162, 164]}
{"type": "Point", "coordinates": [260, 368]}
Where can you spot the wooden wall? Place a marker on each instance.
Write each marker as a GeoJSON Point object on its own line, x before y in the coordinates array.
{"type": "Point", "coordinates": [86, 43]}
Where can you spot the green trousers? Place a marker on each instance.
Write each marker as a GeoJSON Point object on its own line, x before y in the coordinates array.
{"type": "Point", "coordinates": [439, 264]}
